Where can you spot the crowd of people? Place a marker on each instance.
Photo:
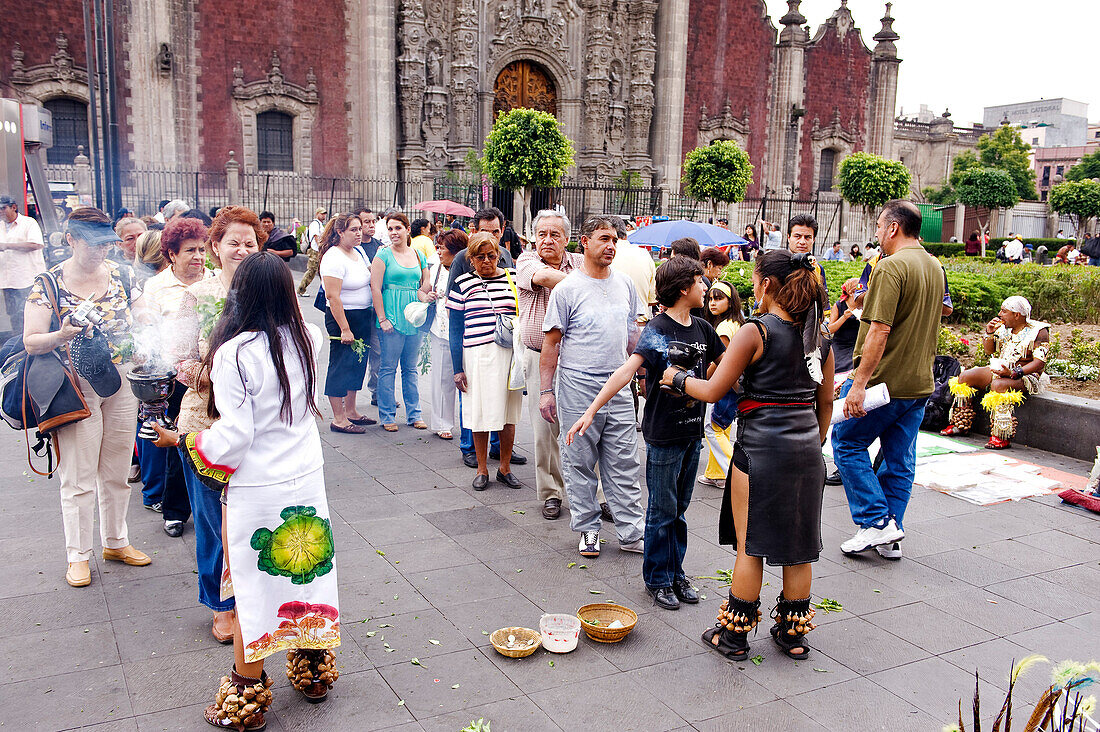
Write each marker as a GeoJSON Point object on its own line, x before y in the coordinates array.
{"type": "Point", "coordinates": [587, 336]}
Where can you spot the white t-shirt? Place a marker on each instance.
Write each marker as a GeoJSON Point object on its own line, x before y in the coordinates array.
{"type": "Point", "coordinates": [773, 240]}
{"type": "Point", "coordinates": [1014, 250]}
{"type": "Point", "coordinates": [438, 276]}
{"type": "Point", "coordinates": [354, 274]}
{"type": "Point", "coordinates": [313, 234]}
{"type": "Point", "coordinates": [19, 268]}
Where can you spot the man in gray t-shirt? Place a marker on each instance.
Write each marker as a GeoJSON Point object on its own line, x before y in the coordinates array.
{"type": "Point", "coordinates": [590, 326]}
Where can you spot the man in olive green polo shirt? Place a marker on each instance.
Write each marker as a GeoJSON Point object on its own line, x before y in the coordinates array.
{"type": "Point", "coordinates": [896, 346]}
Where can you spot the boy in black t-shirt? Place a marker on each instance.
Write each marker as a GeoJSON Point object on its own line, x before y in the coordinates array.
{"type": "Point", "coordinates": [672, 425]}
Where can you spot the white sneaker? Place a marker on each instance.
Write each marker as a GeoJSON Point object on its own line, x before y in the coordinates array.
{"type": "Point", "coordinates": [712, 482]}
{"type": "Point", "coordinates": [864, 539]}
{"type": "Point", "coordinates": [889, 551]}
{"type": "Point", "coordinates": [590, 544]}
{"type": "Point", "coordinates": [635, 546]}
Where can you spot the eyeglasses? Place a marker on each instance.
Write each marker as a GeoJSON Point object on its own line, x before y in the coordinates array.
{"type": "Point", "coordinates": [491, 257]}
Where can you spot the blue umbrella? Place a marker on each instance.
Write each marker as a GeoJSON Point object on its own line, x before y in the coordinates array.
{"type": "Point", "coordinates": [664, 233]}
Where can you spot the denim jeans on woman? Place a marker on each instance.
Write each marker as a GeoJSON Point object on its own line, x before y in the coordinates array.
{"type": "Point", "coordinates": [401, 350]}
{"type": "Point", "coordinates": [670, 475]}
{"type": "Point", "coordinates": [206, 506]}
{"type": "Point", "coordinates": [875, 499]}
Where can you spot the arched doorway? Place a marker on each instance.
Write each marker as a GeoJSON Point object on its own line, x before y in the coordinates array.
{"type": "Point", "coordinates": [524, 84]}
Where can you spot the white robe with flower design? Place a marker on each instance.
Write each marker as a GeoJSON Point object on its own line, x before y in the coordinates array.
{"type": "Point", "coordinates": [280, 546]}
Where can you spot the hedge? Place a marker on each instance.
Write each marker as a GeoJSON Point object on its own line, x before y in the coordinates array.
{"type": "Point", "coordinates": [979, 286]}
{"type": "Point", "coordinates": [945, 249]}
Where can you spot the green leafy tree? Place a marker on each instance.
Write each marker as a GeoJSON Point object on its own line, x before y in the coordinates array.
{"type": "Point", "coordinates": [869, 181]}
{"type": "Point", "coordinates": [1006, 150]}
{"type": "Point", "coordinates": [526, 148]}
{"type": "Point", "coordinates": [719, 173]}
{"type": "Point", "coordinates": [1087, 169]}
{"type": "Point", "coordinates": [1079, 199]}
{"type": "Point", "coordinates": [988, 188]}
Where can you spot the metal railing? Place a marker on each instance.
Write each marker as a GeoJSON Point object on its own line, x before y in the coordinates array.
{"type": "Point", "coordinates": [144, 189]}
{"type": "Point", "coordinates": [288, 195]}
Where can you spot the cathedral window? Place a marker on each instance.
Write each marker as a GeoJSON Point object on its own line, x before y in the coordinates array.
{"type": "Point", "coordinates": [70, 129]}
{"type": "Point", "coordinates": [826, 170]}
{"type": "Point", "coordinates": [275, 141]}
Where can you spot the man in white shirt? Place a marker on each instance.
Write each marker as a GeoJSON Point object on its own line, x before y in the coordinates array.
{"type": "Point", "coordinates": [20, 259]}
{"type": "Point", "coordinates": [313, 236]}
{"type": "Point", "coordinates": [1014, 249]}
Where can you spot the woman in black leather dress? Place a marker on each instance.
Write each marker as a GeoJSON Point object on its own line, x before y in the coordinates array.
{"type": "Point", "coordinates": [772, 505]}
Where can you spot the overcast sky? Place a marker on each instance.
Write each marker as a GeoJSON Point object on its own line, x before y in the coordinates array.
{"type": "Point", "coordinates": [968, 54]}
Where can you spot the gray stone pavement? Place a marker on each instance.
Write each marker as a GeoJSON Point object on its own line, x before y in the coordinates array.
{"type": "Point", "coordinates": [978, 587]}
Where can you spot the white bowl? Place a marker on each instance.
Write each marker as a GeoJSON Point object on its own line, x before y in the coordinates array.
{"type": "Point", "coordinates": [560, 632]}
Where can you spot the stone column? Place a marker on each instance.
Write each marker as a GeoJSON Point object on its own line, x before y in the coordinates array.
{"type": "Point", "coordinates": [233, 179]}
{"type": "Point", "coordinates": [82, 177]}
{"type": "Point", "coordinates": [884, 89]}
{"type": "Point", "coordinates": [668, 113]}
{"type": "Point", "coordinates": [782, 154]}
{"type": "Point", "coordinates": [374, 106]}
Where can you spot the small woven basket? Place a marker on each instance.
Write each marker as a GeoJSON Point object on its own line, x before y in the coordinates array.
{"type": "Point", "coordinates": [606, 613]}
{"type": "Point", "coordinates": [499, 639]}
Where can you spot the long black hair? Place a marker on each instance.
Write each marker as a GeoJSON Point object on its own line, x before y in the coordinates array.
{"type": "Point", "coordinates": [261, 301]}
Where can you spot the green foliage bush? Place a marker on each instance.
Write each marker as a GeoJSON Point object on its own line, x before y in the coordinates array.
{"type": "Point", "coordinates": [979, 286]}
{"type": "Point", "coordinates": [945, 249]}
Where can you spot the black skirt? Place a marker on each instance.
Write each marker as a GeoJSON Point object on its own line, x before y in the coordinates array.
{"type": "Point", "coordinates": [778, 448]}
{"type": "Point", "coordinates": [346, 369]}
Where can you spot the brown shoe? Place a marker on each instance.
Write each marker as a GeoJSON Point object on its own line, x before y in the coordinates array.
{"type": "Point", "coordinates": [551, 509]}
{"type": "Point", "coordinates": [223, 635]}
{"type": "Point", "coordinates": [78, 574]}
{"type": "Point", "coordinates": [128, 555]}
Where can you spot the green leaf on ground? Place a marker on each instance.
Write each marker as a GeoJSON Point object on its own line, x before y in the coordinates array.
{"type": "Point", "coordinates": [595, 592]}
{"type": "Point", "coordinates": [571, 565]}
{"type": "Point", "coordinates": [829, 606]}
{"type": "Point", "coordinates": [416, 662]}
{"type": "Point", "coordinates": [379, 552]}
{"type": "Point", "coordinates": [758, 659]}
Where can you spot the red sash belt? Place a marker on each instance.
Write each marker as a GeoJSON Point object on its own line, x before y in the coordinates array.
{"type": "Point", "coordinates": [747, 405]}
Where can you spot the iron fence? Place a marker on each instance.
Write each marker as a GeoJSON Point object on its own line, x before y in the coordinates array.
{"type": "Point", "coordinates": [288, 195]}
{"type": "Point", "coordinates": [144, 189]}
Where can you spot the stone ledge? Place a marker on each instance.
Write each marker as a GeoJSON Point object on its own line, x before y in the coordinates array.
{"type": "Point", "coordinates": [1059, 423]}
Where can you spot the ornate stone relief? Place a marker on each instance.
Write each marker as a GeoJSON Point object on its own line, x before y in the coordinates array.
{"type": "Point", "coordinates": [724, 126]}
{"type": "Point", "coordinates": [274, 92]}
{"type": "Point", "coordinates": [60, 77]}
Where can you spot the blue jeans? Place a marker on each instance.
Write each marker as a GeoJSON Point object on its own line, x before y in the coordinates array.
{"type": "Point", "coordinates": [1094, 261]}
{"type": "Point", "coordinates": [875, 499]}
{"type": "Point", "coordinates": [670, 475]}
{"type": "Point", "coordinates": [401, 350]}
{"type": "Point", "coordinates": [207, 507]}
{"type": "Point", "coordinates": [466, 437]}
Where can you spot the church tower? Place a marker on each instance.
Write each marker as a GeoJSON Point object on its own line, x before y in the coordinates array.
{"type": "Point", "coordinates": [787, 103]}
{"type": "Point", "coordinates": [884, 89]}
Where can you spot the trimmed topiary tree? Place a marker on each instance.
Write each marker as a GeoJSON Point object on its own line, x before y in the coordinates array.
{"type": "Point", "coordinates": [526, 148]}
{"type": "Point", "coordinates": [869, 181]}
{"type": "Point", "coordinates": [1078, 199]}
{"type": "Point", "coordinates": [989, 188]}
{"type": "Point", "coordinates": [719, 173]}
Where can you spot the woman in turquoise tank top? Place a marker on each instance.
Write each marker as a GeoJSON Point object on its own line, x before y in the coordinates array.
{"type": "Point", "coordinates": [399, 276]}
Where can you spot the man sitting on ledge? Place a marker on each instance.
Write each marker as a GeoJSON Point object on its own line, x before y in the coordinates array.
{"type": "Point", "coordinates": [1020, 347]}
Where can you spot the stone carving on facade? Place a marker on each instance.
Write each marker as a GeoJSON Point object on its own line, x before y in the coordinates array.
{"type": "Point", "coordinates": [834, 136]}
{"type": "Point", "coordinates": [526, 23]}
{"type": "Point", "coordinates": [724, 126]}
{"type": "Point", "coordinates": [411, 71]}
{"type": "Point", "coordinates": [275, 84]}
{"type": "Point", "coordinates": [58, 77]}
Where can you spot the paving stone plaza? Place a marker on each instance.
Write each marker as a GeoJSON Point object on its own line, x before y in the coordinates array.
{"type": "Point", "coordinates": [428, 567]}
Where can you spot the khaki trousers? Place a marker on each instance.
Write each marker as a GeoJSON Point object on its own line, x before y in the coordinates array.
{"type": "Point", "coordinates": [312, 266]}
{"type": "Point", "coordinates": [95, 461]}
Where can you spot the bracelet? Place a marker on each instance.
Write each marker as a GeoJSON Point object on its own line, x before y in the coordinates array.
{"type": "Point", "coordinates": [679, 382]}
{"type": "Point", "coordinates": [546, 391]}
{"type": "Point", "coordinates": [1017, 373]}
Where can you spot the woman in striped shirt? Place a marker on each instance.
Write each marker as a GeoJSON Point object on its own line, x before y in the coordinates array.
{"type": "Point", "coordinates": [481, 365]}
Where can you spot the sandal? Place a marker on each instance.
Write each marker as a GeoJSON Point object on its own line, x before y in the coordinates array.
{"type": "Point", "coordinates": [312, 672]}
{"type": "Point", "coordinates": [240, 703]}
{"type": "Point", "coordinates": [419, 425]}
{"type": "Point", "coordinates": [390, 427]}
{"type": "Point", "coordinates": [792, 623]}
{"type": "Point", "coordinates": [444, 435]}
{"type": "Point", "coordinates": [736, 618]}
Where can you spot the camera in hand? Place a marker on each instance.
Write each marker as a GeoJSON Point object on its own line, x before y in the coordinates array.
{"type": "Point", "coordinates": [683, 356]}
{"type": "Point", "coordinates": [85, 314]}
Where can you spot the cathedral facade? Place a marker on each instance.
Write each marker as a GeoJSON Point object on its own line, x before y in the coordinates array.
{"type": "Point", "coordinates": [405, 88]}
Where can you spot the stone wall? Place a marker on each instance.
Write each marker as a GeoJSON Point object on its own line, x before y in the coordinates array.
{"type": "Point", "coordinates": [838, 80]}
{"type": "Point", "coordinates": [236, 42]}
{"type": "Point", "coordinates": [730, 58]}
